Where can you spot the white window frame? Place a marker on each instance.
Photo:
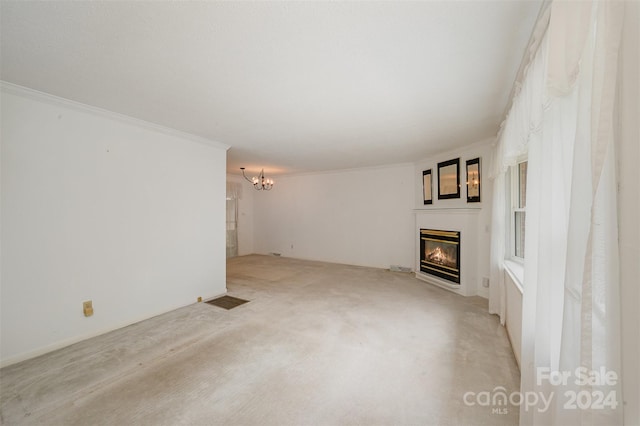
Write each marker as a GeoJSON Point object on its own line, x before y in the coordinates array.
{"type": "Point", "coordinates": [513, 194]}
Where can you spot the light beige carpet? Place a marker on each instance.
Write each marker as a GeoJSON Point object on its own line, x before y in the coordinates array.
{"type": "Point", "coordinates": [319, 344]}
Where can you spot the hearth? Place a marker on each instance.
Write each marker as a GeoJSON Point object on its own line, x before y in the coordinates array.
{"type": "Point", "coordinates": [440, 254]}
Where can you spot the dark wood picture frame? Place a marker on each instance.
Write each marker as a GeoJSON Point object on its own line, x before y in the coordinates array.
{"type": "Point", "coordinates": [449, 179]}
{"type": "Point", "coordinates": [473, 180]}
{"type": "Point", "coordinates": [427, 187]}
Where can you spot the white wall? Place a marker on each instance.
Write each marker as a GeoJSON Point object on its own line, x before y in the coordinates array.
{"type": "Point", "coordinates": [482, 238]}
{"type": "Point", "coordinates": [245, 215]}
{"type": "Point", "coordinates": [629, 210]}
{"type": "Point", "coordinates": [97, 206]}
{"type": "Point", "coordinates": [359, 217]}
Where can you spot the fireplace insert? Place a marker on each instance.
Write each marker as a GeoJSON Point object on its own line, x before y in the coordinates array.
{"type": "Point", "coordinates": [440, 253]}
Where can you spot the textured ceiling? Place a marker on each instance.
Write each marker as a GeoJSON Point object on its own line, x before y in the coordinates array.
{"type": "Point", "coordinates": [290, 86]}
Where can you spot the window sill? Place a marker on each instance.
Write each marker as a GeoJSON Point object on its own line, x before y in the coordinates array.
{"type": "Point", "coordinates": [516, 272]}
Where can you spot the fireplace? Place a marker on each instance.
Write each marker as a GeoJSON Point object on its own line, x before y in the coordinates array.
{"type": "Point", "coordinates": [440, 254]}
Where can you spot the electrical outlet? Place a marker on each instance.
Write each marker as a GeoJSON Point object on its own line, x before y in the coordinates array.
{"type": "Point", "coordinates": [485, 282]}
{"type": "Point", "coordinates": [199, 299]}
{"type": "Point", "coordinates": [87, 308]}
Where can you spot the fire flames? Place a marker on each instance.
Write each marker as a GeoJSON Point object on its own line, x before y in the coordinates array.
{"type": "Point", "coordinates": [439, 257]}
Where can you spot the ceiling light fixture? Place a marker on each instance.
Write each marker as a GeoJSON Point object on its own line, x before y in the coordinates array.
{"type": "Point", "coordinates": [259, 182]}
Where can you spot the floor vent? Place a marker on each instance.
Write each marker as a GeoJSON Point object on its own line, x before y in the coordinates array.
{"type": "Point", "coordinates": [227, 302]}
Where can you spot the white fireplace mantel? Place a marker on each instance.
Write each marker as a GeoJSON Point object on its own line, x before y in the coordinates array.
{"type": "Point", "coordinates": [465, 221]}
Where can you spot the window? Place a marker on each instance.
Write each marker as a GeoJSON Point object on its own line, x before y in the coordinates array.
{"type": "Point", "coordinates": [518, 208]}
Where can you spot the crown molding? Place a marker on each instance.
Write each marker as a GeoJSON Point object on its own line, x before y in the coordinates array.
{"type": "Point", "coordinates": [37, 95]}
{"type": "Point", "coordinates": [349, 170]}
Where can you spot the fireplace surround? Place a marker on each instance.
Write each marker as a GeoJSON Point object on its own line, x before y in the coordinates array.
{"type": "Point", "coordinates": [473, 257]}
{"type": "Point", "coordinates": [440, 254]}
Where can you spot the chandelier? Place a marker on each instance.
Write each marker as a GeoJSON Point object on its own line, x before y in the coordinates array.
{"type": "Point", "coordinates": [259, 182]}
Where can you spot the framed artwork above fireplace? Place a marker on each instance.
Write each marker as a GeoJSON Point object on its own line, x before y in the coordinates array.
{"type": "Point", "coordinates": [473, 180]}
{"type": "Point", "coordinates": [427, 187]}
{"type": "Point", "coordinates": [449, 179]}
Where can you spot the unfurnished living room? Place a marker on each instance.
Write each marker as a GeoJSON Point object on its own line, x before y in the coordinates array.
{"type": "Point", "coordinates": [319, 213]}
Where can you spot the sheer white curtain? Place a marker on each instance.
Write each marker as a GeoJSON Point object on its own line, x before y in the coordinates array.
{"type": "Point", "coordinates": [571, 289]}
{"type": "Point", "coordinates": [497, 295]}
{"type": "Point", "coordinates": [521, 125]}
